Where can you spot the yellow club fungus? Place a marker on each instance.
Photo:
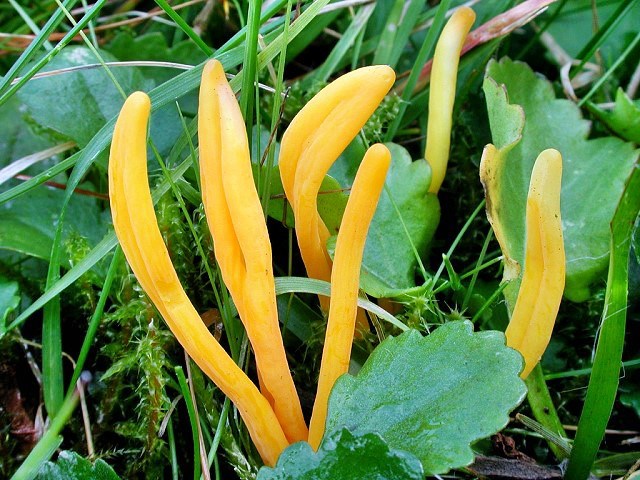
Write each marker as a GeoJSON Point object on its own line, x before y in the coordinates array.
{"type": "Point", "coordinates": [345, 279]}
{"type": "Point", "coordinates": [543, 278]}
{"type": "Point", "coordinates": [241, 240]}
{"type": "Point", "coordinates": [442, 93]}
{"type": "Point", "coordinates": [316, 137]}
{"type": "Point", "coordinates": [136, 226]}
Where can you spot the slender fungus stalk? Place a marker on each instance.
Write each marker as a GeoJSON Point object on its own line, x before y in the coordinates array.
{"type": "Point", "coordinates": [442, 93]}
{"type": "Point", "coordinates": [540, 293]}
{"type": "Point", "coordinates": [337, 112]}
{"type": "Point", "coordinates": [345, 279]}
{"type": "Point", "coordinates": [136, 226]}
{"type": "Point", "coordinates": [227, 180]}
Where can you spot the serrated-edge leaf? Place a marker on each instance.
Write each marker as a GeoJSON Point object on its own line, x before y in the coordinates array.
{"type": "Point", "coordinates": [432, 396]}
{"type": "Point", "coordinates": [343, 455]}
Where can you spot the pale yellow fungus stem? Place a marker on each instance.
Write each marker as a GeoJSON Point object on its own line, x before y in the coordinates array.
{"type": "Point", "coordinates": [227, 180]}
{"type": "Point", "coordinates": [442, 93]}
{"type": "Point", "coordinates": [542, 285]}
{"type": "Point", "coordinates": [312, 143]}
{"type": "Point", "coordinates": [136, 226]}
{"type": "Point", "coordinates": [345, 279]}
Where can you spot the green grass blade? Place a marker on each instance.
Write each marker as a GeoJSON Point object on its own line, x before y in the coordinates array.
{"type": "Point", "coordinates": [7, 80]}
{"type": "Point", "coordinates": [184, 26]}
{"type": "Point", "coordinates": [409, 20]}
{"type": "Point", "coordinates": [544, 410]}
{"type": "Point", "coordinates": [250, 67]}
{"type": "Point", "coordinates": [599, 38]}
{"type": "Point", "coordinates": [98, 253]}
{"type": "Point", "coordinates": [347, 40]}
{"type": "Point", "coordinates": [94, 323]}
{"type": "Point", "coordinates": [603, 383]}
{"type": "Point", "coordinates": [320, 287]}
{"type": "Point", "coordinates": [30, 23]}
{"type": "Point", "coordinates": [426, 50]}
{"type": "Point", "coordinates": [52, 376]}
{"type": "Point", "coordinates": [385, 44]}
{"type": "Point", "coordinates": [49, 442]}
{"type": "Point", "coordinates": [612, 69]}
{"type": "Point", "coordinates": [193, 420]}
{"type": "Point", "coordinates": [39, 179]}
{"type": "Point", "coordinates": [33, 47]}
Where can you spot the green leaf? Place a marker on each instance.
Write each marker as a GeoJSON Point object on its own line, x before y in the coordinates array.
{"type": "Point", "coordinates": [624, 119]}
{"type": "Point", "coordinates": [343, 455]}
{"type": "Point", "coordinates": [75, 105]}
{"type": "Point", "coordinates": [404, 223]}
{"type": "Point", "coordinates": [71, 466]}
{"type": "Point", "coordinates": [432, 396]}
{"type": "Point", "coordinates": [90, 99]}
{"type": "Point", "coordinates": [594, 171]}
{"type": "Point", "coordinates": [28, 223]}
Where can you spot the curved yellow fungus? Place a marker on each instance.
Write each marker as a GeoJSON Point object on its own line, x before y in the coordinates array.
{"type": "Point", "coordinates": [316, 137]}
{"type": "Point", "coordinates": [542, 285]}
{"type": "Point", "coordinates": [240, 236]}
{"type": "Point", "coordinates": [136, 226]}
{"type": "Point", "coordinates": [442, 93]}
{"type": "Point", "coordinates": [345, 279]}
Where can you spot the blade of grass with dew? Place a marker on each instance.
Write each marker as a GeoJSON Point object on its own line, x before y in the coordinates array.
{"type": "Point", "coordinates": [95, 255]}
{"type": "Point", "coordinates": [401, 39]}
{"type": "Point", "coordinates": [426, 51]}
{"type": "Point", "coordinates": [186, 395]}
{"type": "Point", "coordinates": [357, 25]}
{"type": "Point", "coordinates": [384, 46]}
{"type": "Point", "coordinates": [320, 287]}
{"type": "Point", "coordinates": [184, 26]}
{"type": "Point", "coordinates": [50, 441]}
{"type": "Point", "coordinates": [603, 383]}
{"type": "Point", "coordinates": [94, 322]}
{"type": "Point", "coordinates": [543, 408]}
{"type": "Point", "coordinates": [33, 47]}
{"type": "Point", "coordinates": [249, 65]}
{"type": "Point", "coordinates": [601, 36]}
{"type": "Point", "coordinates": [8, 79]}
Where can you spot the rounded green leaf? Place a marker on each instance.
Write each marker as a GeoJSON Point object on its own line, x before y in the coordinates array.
{"type": "Point", "coordinates": [432, 396]}
{"type": "Point", "coordinates": [343, 455]}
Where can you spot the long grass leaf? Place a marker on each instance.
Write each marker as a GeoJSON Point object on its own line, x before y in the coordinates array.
{"type": "Point", "coordinates": [426, 50]}
{"type": "Point", "coordinates": [33, 47]}
{"type": "Point", "coordinates": [320, 287]}
{"type": "Point", "coordinates": [52, 377]}
{"type": "Point", "coordinates": [184, 26]}
{"type": "Point", "coordinates": [250, 62]}
{"type": "Point", "coordinates": [347, 40]}
{"type": "Point", "coordinates": [603, 383]}
{"type": "Point", "coordinates": [8, 79]}
{"type": "Point", "coordinates": [97, 253]}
